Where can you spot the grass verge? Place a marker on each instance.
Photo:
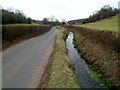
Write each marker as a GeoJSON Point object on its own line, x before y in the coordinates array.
{"type": "Point", "coordinates": [102, 58]}
{"type": "Point", "coordinates": [60, 72]}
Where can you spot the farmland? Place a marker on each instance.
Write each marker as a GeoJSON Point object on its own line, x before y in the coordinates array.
{"type": "Point", "coordinates": [54, 45]}
{"type": "Point", "coordinates": [105, 24]}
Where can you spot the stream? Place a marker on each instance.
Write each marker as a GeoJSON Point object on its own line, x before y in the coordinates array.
{"type": "Point", "coordinates": [81, 69]}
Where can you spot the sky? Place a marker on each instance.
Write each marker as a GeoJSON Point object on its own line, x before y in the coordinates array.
{"type": "Point", "coordinates": [61, 9]}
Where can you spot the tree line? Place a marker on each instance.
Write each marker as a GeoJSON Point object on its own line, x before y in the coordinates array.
{"type": "Point", "coordinates": [53, 21]}
{"type": "Point", "coordinates": [13, 17]}
{"type": "Point", "coordinates": [105, 12]}
{"type": "Point", "coordinates": [16, 16]}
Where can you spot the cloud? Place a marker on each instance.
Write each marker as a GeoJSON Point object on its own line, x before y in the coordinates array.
{"type": "Point", "coordinates": [68, 9]}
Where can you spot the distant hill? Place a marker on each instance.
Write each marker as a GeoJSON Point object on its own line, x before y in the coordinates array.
{"type": "Point", "coordinates": [105, 12]}
{"type": "Point", "coordinates": [110, 23]}
{"type": "Point", "coordinates": [77, 22]}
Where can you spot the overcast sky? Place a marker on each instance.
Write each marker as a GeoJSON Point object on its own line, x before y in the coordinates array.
{"type": "Point", "coordinates": [67, 9]}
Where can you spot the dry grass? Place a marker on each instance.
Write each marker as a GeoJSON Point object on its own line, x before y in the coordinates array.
{"type": "Point", "coordinates": [100, 50]}
{"type": "Point", "coordinates": [107, 39]}
{"type": "Point", "coordinates": [60, 73]}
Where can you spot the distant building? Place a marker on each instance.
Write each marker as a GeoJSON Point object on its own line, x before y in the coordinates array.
{"type": "Point", "coordinates": [37, 21]}
{"type": "Point", "coordinates": [76, 22]}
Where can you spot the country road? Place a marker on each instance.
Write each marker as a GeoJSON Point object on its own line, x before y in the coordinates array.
{"type": "Point", "coordinates": [23, 64]}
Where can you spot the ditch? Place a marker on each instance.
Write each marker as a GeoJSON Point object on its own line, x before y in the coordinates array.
{"type": "Point", "coordinates": [81, 69]}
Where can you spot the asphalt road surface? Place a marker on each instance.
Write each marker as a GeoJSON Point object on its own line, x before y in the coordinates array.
{"type": "Point", "coordinates": [23, 64]}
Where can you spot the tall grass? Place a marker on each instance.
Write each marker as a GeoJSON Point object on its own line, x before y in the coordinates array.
{"type": "Point", "coordinates": [107, 39]}
{"type": "Point", "coordinates": [12, 33]}
{"type": "Point", "coordinates": [101, 51]}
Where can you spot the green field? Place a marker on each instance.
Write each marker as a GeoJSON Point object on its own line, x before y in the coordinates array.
{"type": "Point", "coordinates": [105, 24]}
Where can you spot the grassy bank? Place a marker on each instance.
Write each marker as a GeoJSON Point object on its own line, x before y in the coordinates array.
{"type": "Point", "coordinates": [98, 49]}
{"type": "Point", "coordinates": [105, 24]}
{"type": "Point", "coordinates": [13, 34]}
{"type": "Point", "coordinates": [60, 71]}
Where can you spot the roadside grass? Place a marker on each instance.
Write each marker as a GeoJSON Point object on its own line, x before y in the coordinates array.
{"type": "Point", "coordinates": [99, 54]}
{"type": "Point", "coordinates": [60, 72]}
{"type": "Point", "coordinates": [105, 24]}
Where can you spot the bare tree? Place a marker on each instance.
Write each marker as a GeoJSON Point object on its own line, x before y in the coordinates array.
{"type": "Point", "coordinates": [53, 19]}
{"type": "Point", "coordinates": [1, 7]}
{"type": "Point", "coordinates": [63, 21]}
{"type": "Point", "coordinates": [10, 9]}
{"type": "Point", "coordinates": [19, 12]}
{"type": "Point", "coordinates": [45, 20]}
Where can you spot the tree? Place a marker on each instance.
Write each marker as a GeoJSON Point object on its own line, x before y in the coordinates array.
{"type": "Point", "coordinates": [29, 20]}
{"type": "Point", "coordinates": [1, 7]}
{"type": "Point", "coordinates": [63, 21]}
{"type": "Point", "coordinates": [105, 12]}
{"type": "Point", "coordinates": [53, 19]}
{"type": "Point", "coordinates": [10, 9]}
{"type": "Point", "coordinates": [11, 17]}
{"type": "Point", "coordinates": [45, 20]}
{"type": "Point", "coordinates": [57, 22]}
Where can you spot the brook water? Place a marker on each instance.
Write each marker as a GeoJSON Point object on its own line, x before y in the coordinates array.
{"type": "Point", "coordinates": [81, 70]}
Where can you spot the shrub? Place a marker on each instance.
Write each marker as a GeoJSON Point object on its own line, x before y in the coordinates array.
{"type": "Point", "coordinates": [12, 33]}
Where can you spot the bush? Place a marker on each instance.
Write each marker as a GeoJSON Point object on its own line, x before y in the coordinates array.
{"type": "Point", "coordinates": [12, 33]}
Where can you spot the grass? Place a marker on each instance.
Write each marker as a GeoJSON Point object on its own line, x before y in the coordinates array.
{"type": "Point", "coordinates": [94, 74]}
{"type": "Point", "coordinates": [98, 52]}
{"type": "Point", "coordinates": [60, 73]}
{"type": "Point", "coordinates": [105, 24]}
{"type": "Point", "coordinates": [105, 83]}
